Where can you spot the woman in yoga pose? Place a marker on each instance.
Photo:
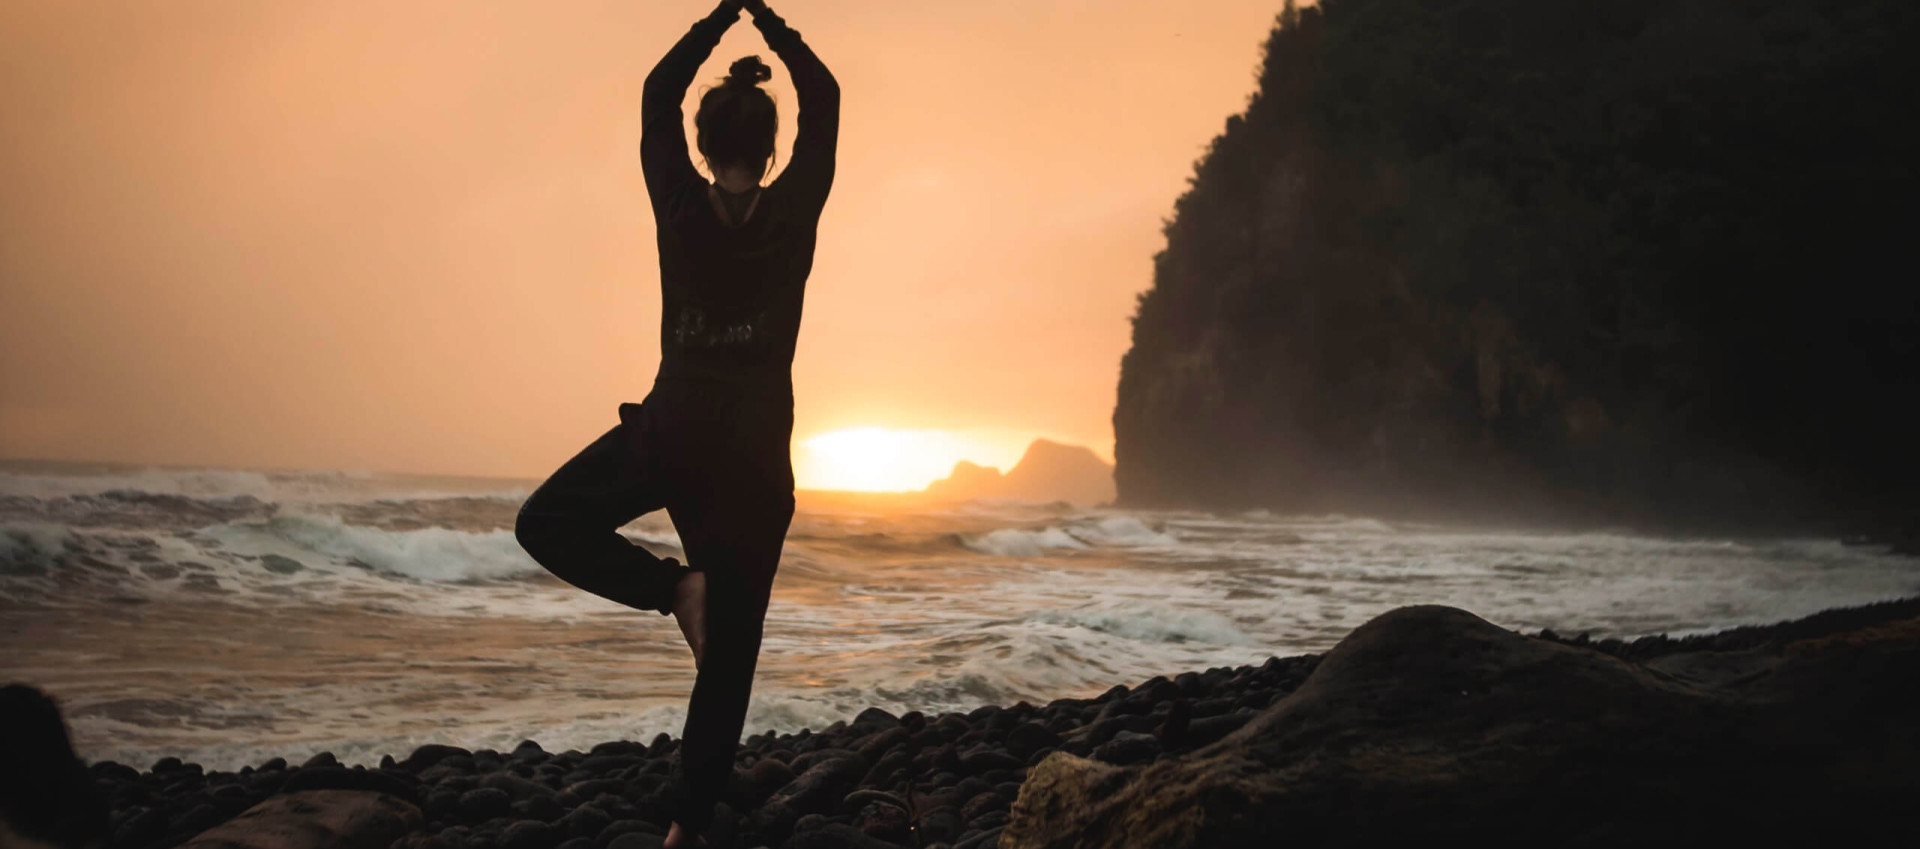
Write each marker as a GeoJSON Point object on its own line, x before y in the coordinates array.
{"type": "Point", "coordinates": [710, 442]}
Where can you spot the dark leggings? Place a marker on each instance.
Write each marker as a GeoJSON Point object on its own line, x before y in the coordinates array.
{"type": "Point", "coordinates": [717, 459]}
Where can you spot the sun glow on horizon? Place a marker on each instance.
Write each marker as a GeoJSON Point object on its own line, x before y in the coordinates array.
{"type": "Point", "coordinates": [884, 459]}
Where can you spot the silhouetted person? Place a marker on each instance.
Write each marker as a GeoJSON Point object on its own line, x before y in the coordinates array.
{"type": "Point", "coordinates": [710, 442]}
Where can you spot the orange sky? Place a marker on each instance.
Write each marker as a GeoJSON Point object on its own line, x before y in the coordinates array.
{"type": "Point", "coordinates": [413, 236]}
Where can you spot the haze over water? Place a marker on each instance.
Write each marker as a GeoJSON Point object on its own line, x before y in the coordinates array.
{"type": "Point", "coordinates": [227, 617]}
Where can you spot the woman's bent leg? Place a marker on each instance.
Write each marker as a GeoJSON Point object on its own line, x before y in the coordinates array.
{"type": "Point", "coordinates": [570, 525]}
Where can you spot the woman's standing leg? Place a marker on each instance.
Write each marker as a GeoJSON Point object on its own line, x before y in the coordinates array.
{"type": "Point", "coordinates": [571, 523]}
{"type": "Point", "coordinates": [737, 545]}
{"type": "Point", "coordinates": [733, 505]}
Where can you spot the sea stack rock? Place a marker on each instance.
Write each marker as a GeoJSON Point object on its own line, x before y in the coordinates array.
{"type": "Point", "coordinates": [1048, 471]}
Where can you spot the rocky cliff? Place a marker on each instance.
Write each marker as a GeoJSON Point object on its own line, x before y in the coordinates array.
{"type": "Point", "coordinates": [1549, 258]}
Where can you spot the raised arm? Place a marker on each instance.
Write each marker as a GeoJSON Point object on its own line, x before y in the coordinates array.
{"type": "Point", "coordinates": [809, 175]}
{"type": "Point", "coordinates": [663, 131]}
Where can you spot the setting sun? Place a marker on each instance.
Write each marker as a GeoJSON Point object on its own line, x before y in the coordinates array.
{"type": "Point", "coordinates": [880, 459]}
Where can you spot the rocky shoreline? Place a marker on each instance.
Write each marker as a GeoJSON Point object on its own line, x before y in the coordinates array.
{"type": "Point", "coordinates": [952, 780]}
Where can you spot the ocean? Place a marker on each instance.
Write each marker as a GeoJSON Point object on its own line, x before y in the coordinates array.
{"type": "Point", "coordinates": [227, 617]}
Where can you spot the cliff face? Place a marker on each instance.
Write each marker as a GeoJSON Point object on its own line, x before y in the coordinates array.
{"type": "Point", "coordinates": [1551, 257]}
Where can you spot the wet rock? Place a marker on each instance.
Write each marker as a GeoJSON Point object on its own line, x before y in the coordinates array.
{"type": "Point", "coordinates": [625, 826]}
{"type": "Point", "coordinates": [47, 795]}
{"type": "Point", "coordinates": [988, 838]}
{"type": "Point", "coordinates": [280, 565]}
{"type": "Point", "coordinates": [530, 834]}
{"type": "Point", "coordinates": [637, 840]}
{"type": "Point", "coordinates": [429, 755]}
{"type": "Point", "coordinates": [315, 819]}
{"type": "Point", "coordinates": [1028, 737]}
{"type": "Point", "coordinates": [821, 787]}
{"type": "Point", "coordinates": [885, 822]}
{"type": "Point", "coordinates": [982, 804]}
{"type": "Point", "coordinates": [593, 787]}
{"type": "Point", "coordinates": [875, 719]}
{"type": "Point", "coordinates": [941, 824]}
{"type": "Point", "coordinates": [1127, 747]}
{"type": "Point", "coordinates": [529, 752]}
{"type": "Point", "coordinates": [773, 821]}
{"type": "Point", "coordinates": [542, 808]}
{"type": "Point", "coordinates": [1173, 727]}
{"type": "Point", "coordinates": [517, 787]}
{"type": "Point", "coordinates": [989, 821]}
{"type": "Point", "coordinates": [1428, 724]}
{"type": "Point", "coordinates": [876, 745]}
{"type": "Point", "coordinates": [604, 765]}
{"type": "Point", "coordinates": [760, 781]}
{"type": "Point", "coordinates": [484, 803]}
{"type": "Point", "coordinates": [836, 836]}
{"type": "Point", "coordinates": [804, 762]}
{"type": "Point", "coordinates": [885, 771]}
{"type": "Point", "coordinates": [584, 821]}
{"type": "Point", "coordinates": [1208, 729]}
{"type": "Point", "coordinates": [987, 756]}
{"type": "Point", "coordinates": [341, 778]}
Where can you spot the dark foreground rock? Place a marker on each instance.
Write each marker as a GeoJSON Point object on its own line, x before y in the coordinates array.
{"type": "Point", "coordinates": [1429, 722]}
{"type": "Point", "coordinates": [46, 797]}
{"type": "Point", "coordinates": [315, 819]}
{"type": "Point", "coordinates": [1425, 722]}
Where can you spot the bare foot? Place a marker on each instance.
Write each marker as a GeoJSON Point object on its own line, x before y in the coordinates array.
{"type": "Point", "coordinates": [690, 610]}
{"type": "Point", "coordinates": [677, 838]}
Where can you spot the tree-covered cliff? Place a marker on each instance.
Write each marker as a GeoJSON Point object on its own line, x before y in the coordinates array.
{"type": "Point", "coordinates": [1605, 258]}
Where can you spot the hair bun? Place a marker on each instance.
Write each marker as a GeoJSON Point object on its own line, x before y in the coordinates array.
{"type": "Point", "coordinates": [748, 71]}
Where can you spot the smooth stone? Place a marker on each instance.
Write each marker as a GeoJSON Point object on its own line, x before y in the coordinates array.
{"type": "Point", "coordinates": [982, 804]}
{"type": "Point", "coordinates": [941, 824]}
{"type": "Point", "coordinates": [315, 819]}
{"type": "Point", "coordinates": [542, 808]}
{"type": "Point", "coordinates": [341, 778]}
{"type": "Point", "coordinates": [836, 836]}
{"type": "Point", "coordinates": [1127, 747]}
{"type": "Point", "coordinates": [773, 821]}
{"type": "Point", "coordinates": [482, 803]}
{"type": "Point", "coordinates": [619, 827]}
{"type": "Point", "coordinates": [821, 787]}
{"type": "Point", "coordinates": [986, 838]}
{"type": "Point", "coordinates": [517, 787]}
{"type": "Point", "coordinates": [1028, 737]}
{"type": "Point", "coordinates": [760, 781]}
{"type": "Point", "coordinates": [530, 834]}
{"type": "Point", "coordinates": [885, 822]}
{"type": "Point", "coordinates": [874, 718]}
{"type": "Point", "coordinates": [429, 755]}
{"type": "Point", "coordinates": [985, 757]}
{"type": "Point", "coordinates": [878, 744]}
{"type": "Point", "coordinates": [806, 761]}
{"type": "Point", "coordinates": [886, 771]}
{"type": "Point", "coordinates": [637, 840]}
{"type": "Point", "coordinates": [584, 821]}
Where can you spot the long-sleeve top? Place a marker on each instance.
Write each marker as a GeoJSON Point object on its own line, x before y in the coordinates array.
{"type": "Point", "coordinates": [731, 295]}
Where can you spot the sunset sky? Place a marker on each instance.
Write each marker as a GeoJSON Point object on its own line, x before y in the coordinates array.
{"type": "Point", "coordinates": [412, 236]}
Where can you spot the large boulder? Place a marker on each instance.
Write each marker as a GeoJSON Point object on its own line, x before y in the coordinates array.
{"type": "Point", "coordinates": [315, 819]}
{"type": "Point", "coordinates": [1429, 722]}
